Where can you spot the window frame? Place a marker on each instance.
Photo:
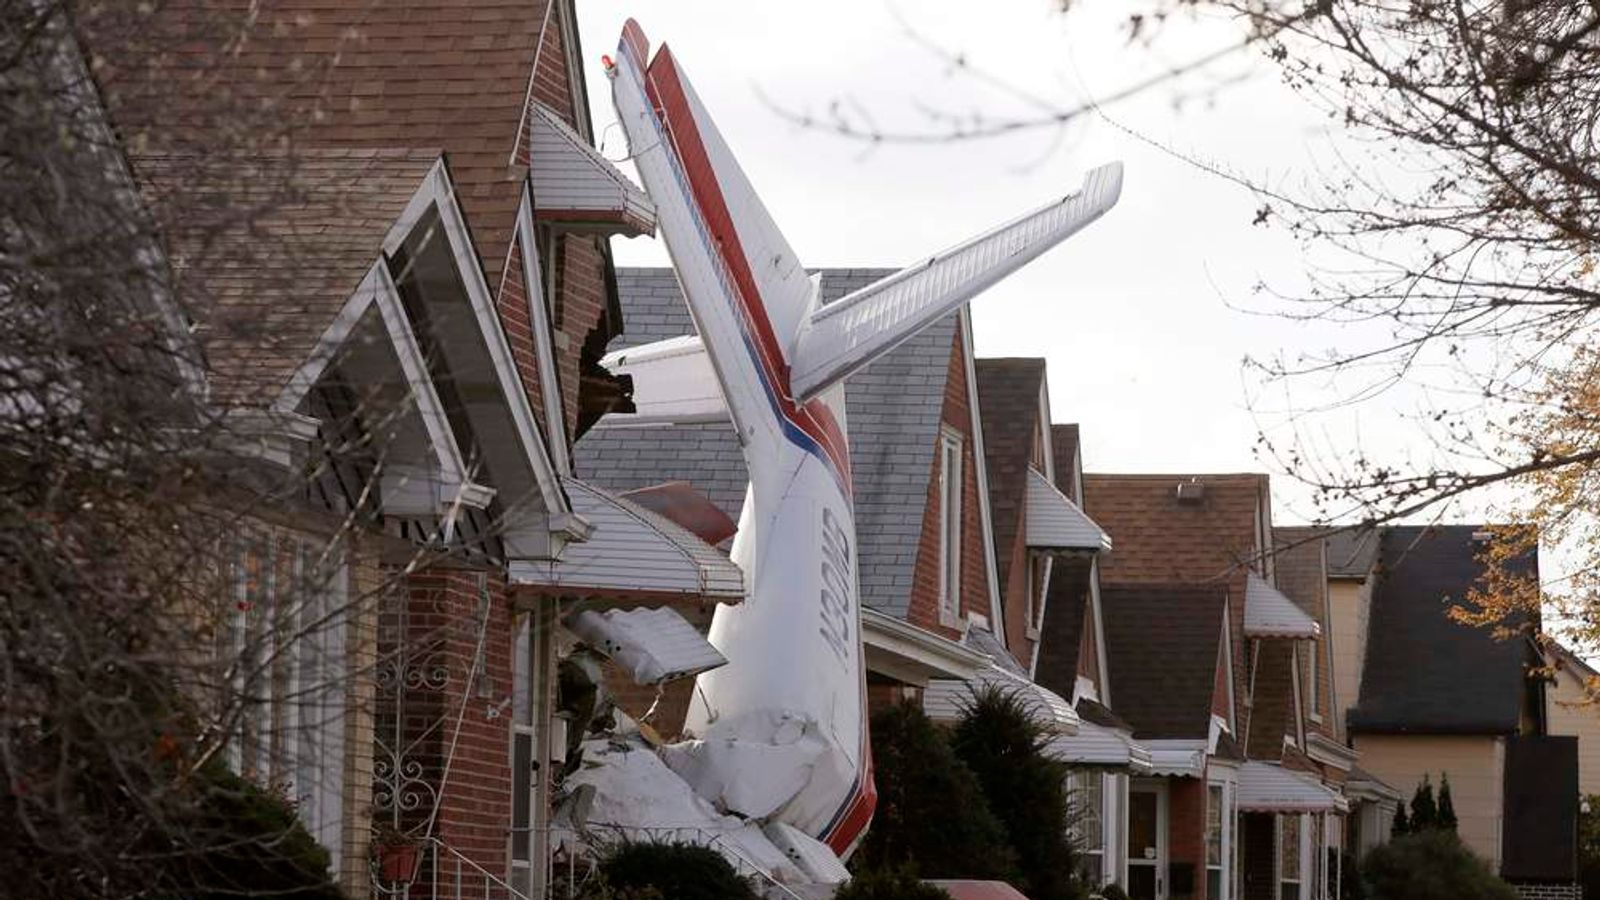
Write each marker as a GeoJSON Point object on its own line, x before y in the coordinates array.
{"type": "Point", "coordinates": [950, 494]}
{"type": "Point", "coordinates": [1283, 879]}
{"type": "Point", "coordinates": [1089, 780]}
{"type": "Point", "coordinates": [1225, 837]}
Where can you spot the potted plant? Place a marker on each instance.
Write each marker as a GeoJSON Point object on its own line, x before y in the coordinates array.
{"type": "Point", "coordinates": [396, 853]}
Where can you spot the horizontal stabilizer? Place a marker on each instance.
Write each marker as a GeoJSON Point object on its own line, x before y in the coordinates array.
{"type": "Point", "coordinates": [673, 384]}
{"type": "Point", "coordinates": [843, 337]}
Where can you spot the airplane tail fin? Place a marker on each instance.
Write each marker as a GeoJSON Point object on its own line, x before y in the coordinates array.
{"type": "Point", "coordinates": [746, 289]}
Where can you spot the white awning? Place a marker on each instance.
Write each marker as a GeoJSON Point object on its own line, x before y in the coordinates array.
{"type": "Point", "coordinates": [1269, 614]}
{"type": "Point", "coordinates": [1177, 757]}
{"type": "Point", "coordinates": [906, 653]}
{"type": "Point", "coordinates": [651, 645]}
{"type": "Point", "coordinates": [632, 552]}
{"type": "Point", "coordinates": [1101, 747]}
{"type": "Point", "coordinates": [945, 698]}
{"type": "Point", "coordinates": [576, 186]}
{"type": "Point", "coordinates": [1054, 522]}
{"type": "Point", "coordinates": [1269, 787]}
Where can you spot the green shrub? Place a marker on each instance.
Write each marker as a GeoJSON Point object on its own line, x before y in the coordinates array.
{"type": "Point", "coordinates": [643, 870]}
{"type": "Point", "coordinates": [931, 815]}
{"type": "Point", "coordinates": [1003, 745]}
{"type": "Point", "coordinates": [1111, 892]}
{"type": "Point", "coordinates": [890, 884]}
{"type": "Point", "coordinates": [249, 839]}
{"type": "Point", "coordinates": [1430, 865]}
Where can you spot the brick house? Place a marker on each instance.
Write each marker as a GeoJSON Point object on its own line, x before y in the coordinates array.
{"type": "Point", "coordinates": [1235, 807]}
{"type": "Point", "coordinates": [439, 301]}
{"type": "Point", "coordinates": [922, 518]}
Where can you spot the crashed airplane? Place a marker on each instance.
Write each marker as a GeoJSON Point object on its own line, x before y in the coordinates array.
{"type": "Point", "coordinates": [777, 737]}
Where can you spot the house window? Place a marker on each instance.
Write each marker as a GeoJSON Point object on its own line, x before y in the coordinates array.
{"type": "Point", "coordinates": [1219, 840]}
{"type": "Point", "coordinates": [949, 526]}
{"type": "Point", "coordinates": [286, 633]}
{"type": "Point", "coordinates": [1088, 830]}
{"type": "Point", "coordinates": [1289, 835]}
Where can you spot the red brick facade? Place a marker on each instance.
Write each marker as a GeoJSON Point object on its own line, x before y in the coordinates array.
{"type": "Point", "coordinates": [923, 607]}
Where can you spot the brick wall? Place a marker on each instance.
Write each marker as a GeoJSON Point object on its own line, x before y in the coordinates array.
{"type": "Point", "coordinates": [467, 768]}
{"type": "Point", "coordinates": [922, 608]}
{"type": "Point", "coordinates": [1273, 701]}
{"type": "Point", "coordinates": [1186, 830]}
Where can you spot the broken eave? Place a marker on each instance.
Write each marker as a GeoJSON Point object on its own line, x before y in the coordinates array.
{"type": "Point", "coordinates": [632, 552]}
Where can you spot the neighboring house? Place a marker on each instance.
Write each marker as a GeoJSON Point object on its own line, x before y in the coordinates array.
{"type": "Point", "coordinates": [1240, 808]}
{"type": "Point", "coordinates": [440, 304]}
{"type": "Point", "coordinates": [926, 574]}
{"type": "Point", "coordinates": [1438, 697]}
{"type": "Point", "coordinates": [1571, 710]}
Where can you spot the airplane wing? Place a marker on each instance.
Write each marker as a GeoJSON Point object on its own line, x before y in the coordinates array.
{"type": "Point", "coordinates": [673, 384]}
{"type": "Point", "coordinates": [843, 337]}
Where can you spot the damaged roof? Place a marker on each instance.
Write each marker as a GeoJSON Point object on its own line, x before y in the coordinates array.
{"type": "Point", "coordinates": [893, 411]}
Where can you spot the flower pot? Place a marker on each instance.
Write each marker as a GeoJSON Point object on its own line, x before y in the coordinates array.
{"type": "Point", "coordinates": [398, 861]}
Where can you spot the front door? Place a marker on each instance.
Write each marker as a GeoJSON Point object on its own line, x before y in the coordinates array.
{"type": "Point", "coordinates": [1147, 840]}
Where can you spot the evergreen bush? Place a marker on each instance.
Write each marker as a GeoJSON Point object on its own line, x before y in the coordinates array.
{"type": "Point", "coordinates": [645, 870]}
{"type": "Point", "coordinates": [1430, 865]}
{"type": "Point", "coordinates": [1003, 745]}
{"type": "Point", "coordinates": [1424, 810]}
{"type": "Point", "coordinates": [1447, 806]}
{"type": "Point", "coordinates": [931, 815]}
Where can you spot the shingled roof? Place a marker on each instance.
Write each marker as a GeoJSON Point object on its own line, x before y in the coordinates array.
{"type": "Point", "coordinates": [1163, 643]}
{"type": "Point", "coordinates": [1426, 673]}
{"type": "Point", "coordinates": [1008, 403]}
{"type": "Point", "coordinates": [1351, 552]}
{"type": "Point", "coordinates": [1161, 540]}
{"type": "Point", "coordinates": [264, 289]}
{"type": "Point", "coordinates": [892, 412]}
{"type": "Point", "coordinates": [1064, 442]}
{"type": "Point", "coordinates": [440, 74]}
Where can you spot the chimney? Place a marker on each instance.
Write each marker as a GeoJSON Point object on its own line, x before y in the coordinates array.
{"type": "Point", "coordinates": [1191, 492]}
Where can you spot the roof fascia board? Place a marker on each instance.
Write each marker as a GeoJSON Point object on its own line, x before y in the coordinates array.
{"type": "Point", "coordinates": [438, 189]}
{"type": "Point", "coordinates": [1330, 752]}
{"type": "Point", "coordinates": [1227, 663]}
{"type": "Point", "coordinates": [539, 319]}
{"type": "Point", "coordinates": [981, 464]}
{"type": "Point", "coordinates": [947, 658]}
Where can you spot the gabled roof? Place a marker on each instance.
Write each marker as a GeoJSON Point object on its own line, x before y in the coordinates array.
{"type": "Point", "coordinates": [893, 412]}
{"type": "Point", "coordinates": [1300, 569]}
{"type": "Point", "coordinates": [1163, 648]}
{"type": "Point", "coordinates": [350, 74]}
{"type": "Point", "coordinates": [1269, 614]}
{"type": "Point", "coordinates": [1351, 552]}
{"type": "Point", "coordinates": [1426, 673]}
{"type": "Point", "coordinates": [1008, 403]}
{"type": "Point", "coordinates": [1061, 635]}
{"type": "Point", "coordinates": [265, 289]}
{"type": "Point", "coordinates": [1162, 540]}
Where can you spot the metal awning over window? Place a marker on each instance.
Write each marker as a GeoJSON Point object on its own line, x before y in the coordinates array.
{"type": "Point", "coordinates": [1269, 787]}
{"type": "Point", "coordinates": [633, 553]}
{"type": "Point", "coordinates": [1054, 522]}
{"type": "Point", "coordinates": [1096, 746]}
{"type": "Point", "coordinates": [1269, 614]}
{"type": "Point", "coordinates": [575, 187]}
{"type": "Point", "coordinates": [946, 698]}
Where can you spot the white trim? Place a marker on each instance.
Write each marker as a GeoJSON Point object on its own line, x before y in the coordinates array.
{"type": "Point", "coordinates": [539, 324]}
{"type": "Point", "coordinates": [1227, 661]}
{"type": "Point", "coordinates": [1159, 862]}
{"type": "Point", "coordinates": [1104, 671]}
{"type": "Point", "coordinates": [981, 464]}
{"type": "Point", "coordinates": [915, 648]}
{"type": "Point", "coordinates": [1330, 752]}
{"type": "Point", "coordinates": [377, 289]}
{"type": "Point", "coordinates": [951, 475]}
{"type": "Point", "coordinates": [438, 190]}
{"type": "Point", "coordinates": [1299, 705]}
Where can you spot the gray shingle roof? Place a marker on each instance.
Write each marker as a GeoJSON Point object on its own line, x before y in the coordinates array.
{"type": "Point", "coordinates": [892, 413]}
{"type": "Point", "coordinates": [1425, 673]}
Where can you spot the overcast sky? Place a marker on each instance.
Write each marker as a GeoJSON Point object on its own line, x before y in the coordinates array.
{"type": "Point", "coordinates": [1138, 315]}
